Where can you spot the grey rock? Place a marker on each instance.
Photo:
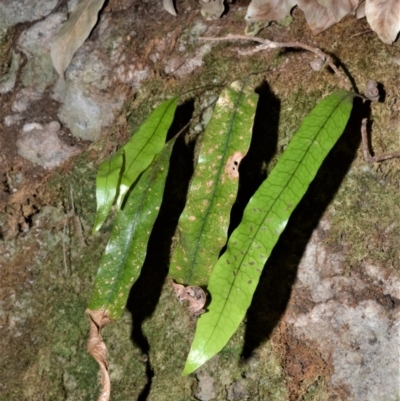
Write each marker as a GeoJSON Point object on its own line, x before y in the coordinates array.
{"type": "Point", "coordinates": [38, 38]}
{"type": "Point", "coordinates": [14, 12]}
{"type": "Point", "coordinates": [81, 114]}
{"type": "Point", "coordinates": [24, 98]}
{"type": "Point", "coordinates": [7, 81]}
{"type": "Point", "coordinates": [182, 66]}
{"type": "Point", "coordinates": [237, 391]}
{"type": "Point", "coordinates": [87, 103]}
{"type": "Point", "coordinates": [41, 145]}
{"type": "Point", "coordinates": [359, 336]}
{"type": "Point", "coordinates": [205, 390]}
{"type": "Point", "coordinates": [35, 43]}
{"type": "Point", "coordinates": [11, 120]}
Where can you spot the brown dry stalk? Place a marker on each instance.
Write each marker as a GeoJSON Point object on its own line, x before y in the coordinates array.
{"type": "Point", "coordinates": [267, 44]}
{"type": "Point", "coordinates": [195, 296]}
{"type": "Point", "coordinates": [66, 270]}
{"type": "Point", "coordinates": [97, 348]}
{"type": "Point", "coordinates": [367, 155]}
{"type": "Point", "coordinates": [77, 221]}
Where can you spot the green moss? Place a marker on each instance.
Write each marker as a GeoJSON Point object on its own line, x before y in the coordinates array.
{"type": "Point", "coordinates": [316, 391]}
{"type": "Point", "coordinates": [364, 218]}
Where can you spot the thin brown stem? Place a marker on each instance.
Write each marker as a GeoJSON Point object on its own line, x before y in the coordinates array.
{"type": "Point", "coordinates": [267, 44]}
{"type": "Point", "coordinates": [66, 270]}
{"type": "Point", "coordinates": [367, 155]}
{"type": "Point", "coordinates": [77, 221]}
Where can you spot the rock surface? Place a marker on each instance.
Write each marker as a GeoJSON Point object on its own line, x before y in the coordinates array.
{"type": "Point", "coordinates": [41, 145]}
{"type": "Point", "coordinates": [360, 337]}
{"type": "Point", "coordinates": [334, 335]}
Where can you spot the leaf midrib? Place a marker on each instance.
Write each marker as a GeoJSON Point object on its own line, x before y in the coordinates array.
{"type": "Point", "coordinates": [259, 227]}
{"type": "Point", "coordinates": [218, 181]}
{"type": "Point", "coordinates": [136, 222]}
{"type": "Point", "coordinates": [139, 152]}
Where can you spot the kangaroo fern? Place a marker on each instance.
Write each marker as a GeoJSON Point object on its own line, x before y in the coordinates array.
{"type": "Point", "coordinates": [203, 225]}
{"type": "Point", "coordinates": [236, 274]}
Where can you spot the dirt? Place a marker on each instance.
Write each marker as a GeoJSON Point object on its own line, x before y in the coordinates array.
{"type": "Point", "coordinates": [49, 257]}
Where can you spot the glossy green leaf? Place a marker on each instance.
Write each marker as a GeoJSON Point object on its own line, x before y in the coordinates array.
{"type": "Point", "coordinates": [134, 158]}
{"type": "Point", "coordinates": [126, 249]}
{"type": "Point", "coordinates": [107, 179]}
{"type": "Point", "coordinates": [203, 225]}
{"type": "Point", "coordinates": [235, 276]}
{"type": "Point", "coordinates": [145, 144]}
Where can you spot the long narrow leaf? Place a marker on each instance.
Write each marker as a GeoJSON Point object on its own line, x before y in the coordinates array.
{"type": "Point", "coordinates": [236, 274]}
{"type": "Point", "coordinates": [107, 179]}
{"type": "Point", "coordinates": [126, 248]}
{"type": "Point", "coordinates": [203, 225]}
{"type": "Point", "coordinates": [111, 184]}
{"type": "Point", "coordinates": [145, 144]}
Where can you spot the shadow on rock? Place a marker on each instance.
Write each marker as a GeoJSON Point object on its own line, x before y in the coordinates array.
{"type": "Point", "coordinates": [145, 293]}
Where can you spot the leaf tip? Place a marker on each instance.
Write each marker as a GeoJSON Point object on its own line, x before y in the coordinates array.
{"type": "Point", "coordinates": [196, 358]}
{"type": "Point", "coordinates": [98, 222]}
{"type": "Point", "coordinates": [189, 368]}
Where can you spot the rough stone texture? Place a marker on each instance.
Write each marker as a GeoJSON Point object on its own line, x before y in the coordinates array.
{"type": "Point", "coordinates": [7, 81]}
{"type": "Point", "coordinates": [205, 389]}
{"type": "Point", "coordinates": [361, 338]}
{"type": "Point", "coordinates": [15, 12]}
{"type": "Point", "coordinates": [41, 145]}
{"type": "Point", "coordinates": [35, 43]}
{"type": "Point", "coordinates": [81, 114]}
{"type": "Point", "coordinates": [341, 328]}
{"type": "Point", "coordinates": [24, 98]}
{"type": "Point", "coordinates": [12, 119]}
{"type": "Point", "coordinates": [86, 97]}
{"type": "Point", "coordinates": [180, 69]}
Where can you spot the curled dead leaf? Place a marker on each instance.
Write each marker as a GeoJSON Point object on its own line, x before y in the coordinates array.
{"type": "Point", "coordinates": [73, 33]}
{"type": "Point", "coordinates": [319, 18]}
{"type": "Point", "coordinates": [194, 295]}
{"type": "Point", "coordinates": [340, 8]}
{"type": "Point", "coordinates": [372, 91]}
{"type": "Point", "coordinates": [269, 10]}
{"type": "Point", "coordinates": [97, 348]}
{"type": "Point", "coordinates": [384, 18]}
{"type": "Point", "coordinates": [232, 165]}
{"type": "Point", "coordinates": [261, 12]}
{"type": "Point", "coordinates": [360, 12]}
{"type": "Point", "coordinates": [211, 9]}
{"type": "Point", "coordinates": [169, 6]}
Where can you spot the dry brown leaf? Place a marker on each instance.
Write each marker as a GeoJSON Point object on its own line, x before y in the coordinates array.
{"type": "Point", "coordinates": [372, 91]}
{"type": "Point", "coordinates": [73, 33]}
{"type": "Point", "coordinates": [384, 18]}
{"type": "Point", "coordinates": [195, 296]}
{"type": "Point", "coordinates": [169, 6]}
{"type": "Point", "coordinates": [318, 17]}
{"type": "Point", "coordinates": [340, 8]}
{"type": "Point", "coordinates": [211, 9]}
{"type": "Point", "coordinates": [269, 10]}
{"type": "Point", "coordinates": [97, 348]}
{"type": "Point", "coordinates": [360, 12]}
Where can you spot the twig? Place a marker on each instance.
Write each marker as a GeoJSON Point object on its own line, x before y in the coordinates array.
{"type": "Point", "coordinates": [361, 33]}
{"type": "Point", "coordinates": [367, 155]}
{"type": "Point", "coordinates": [267, 44]}
{"type": "Point", "coordinates": [64, 250]}
{"type": "Point", "coordinates": [77, 221]}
